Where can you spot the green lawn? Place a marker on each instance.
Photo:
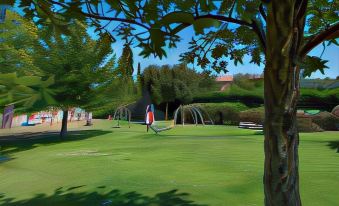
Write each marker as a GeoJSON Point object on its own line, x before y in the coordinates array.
{"type": "Point", "coordinates": [211, 165]}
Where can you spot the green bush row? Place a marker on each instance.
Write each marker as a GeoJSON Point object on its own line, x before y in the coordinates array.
{"type": "Point", "coordinates": [233, 113]}
{"type": "Point", "coordinates": [310, 123]}
{"type": "Point", "coordinates": [325, 99]}
{"type": "Point", "coordinates": [223, 113]}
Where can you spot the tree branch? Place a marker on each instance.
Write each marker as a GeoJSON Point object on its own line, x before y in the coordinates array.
{"type": "Point", "coordinates": [262, 11]}
{"type": "Point", "coordinates": [217, 17]}
{"type": "Point", "coordinates": [254, 26]}
{"type": "Point", "coordinates": [260, 33]}
{"type": "Point", "coordinates": [331, 32]}
{"type": "Point", "coordinates": [196, 8]}
{"type": "Point", "coordinates": [301, 9]}
{"type": "Point", "coordinates": [224, 19]}
{"type": "Point", "coordinates": [130, 21]}
{"type": "Point", "coordinates": [94, 16]}
{"type": "Point", "coordinates": [231, 9]}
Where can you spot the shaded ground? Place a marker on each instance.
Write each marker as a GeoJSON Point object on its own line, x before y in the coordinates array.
{"type": "Point", "coordinates": [101, 165]}
{"type": "Point", "coordinates": [31, 131]}
{"type": "Point", "coordinates": [334, 145]}
{"type": "Point", "coordinates": [66, 197]}
{"type": "Point", "coordinates": [22, 142]}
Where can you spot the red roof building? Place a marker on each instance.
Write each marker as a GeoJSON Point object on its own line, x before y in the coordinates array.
{"type": "Point", "coordinates": [225, 81]}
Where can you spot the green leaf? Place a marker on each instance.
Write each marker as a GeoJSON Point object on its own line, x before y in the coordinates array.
{"type": "Point", "coordinates": [219, 51]}
{"type": "Point", "coordinates": [333, 41]}
{"type": "Point", "coordinates": [49, 82]}
{"type": "Point", "coordinates": [201, 24]}
{"type": "Point", "coordinates": [207, 5]}
{"type": "Point", "coordinates": [158, 41]}
{"type": "Point", "coordinates": [177, 17]}
{"type": "Point", "coordinates": [28, 80]}
{"type": "Point", "coordinates": [256, 56]}
{"type": "Point", "coordinates": [225, 6]}
{"type": "Point", "coordinates": [312, 64]}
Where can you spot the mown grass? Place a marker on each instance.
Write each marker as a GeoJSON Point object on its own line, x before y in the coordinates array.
{"type": "Point", "coordinates": [211, 165]}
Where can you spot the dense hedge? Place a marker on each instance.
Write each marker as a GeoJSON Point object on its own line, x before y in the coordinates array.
{"type": "Point", "coordinates": [319, 98]}
{"type": "Point", "coordinates": [251, 98]}
{"type": "Point", "coordinates": [256, 115]}
{"type": "Point", "coordinates": [326, 121]}
{"type": "Point", "coordinates": [309, 123]}
{"type": "Point", "coordinates": [306, 124]}
{"type": "Point", "coordinates": [223, 113]}
{"type": "Point", "coordinates": [324, 99]}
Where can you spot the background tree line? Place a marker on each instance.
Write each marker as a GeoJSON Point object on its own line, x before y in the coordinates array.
{"type": "Point", "coordinates": [175, 85]}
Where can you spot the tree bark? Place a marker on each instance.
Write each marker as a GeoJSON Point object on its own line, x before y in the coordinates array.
{"type": "Point", "coordinates": [281, 178]}
{"type": "Point", "coordinates": [63, 131]}
{"type": "Point", "coordinates": [285, 26]}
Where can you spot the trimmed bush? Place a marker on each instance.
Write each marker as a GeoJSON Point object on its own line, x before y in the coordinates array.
{"type": "Point", "coordinates": [335, 111]}
{"type": "Point", "coordinates": [251, 93]}
{"type": "Point", "coordinates": [223, 113]}
{"type": "Point", "coordinates": [256, 115]}
{"type": "Point", "coordinates": [326, 121]}
{"type": "Point", "coordinates": [305, 123]}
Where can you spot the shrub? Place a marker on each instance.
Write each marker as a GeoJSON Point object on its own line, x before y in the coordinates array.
{"type": "Point", "coordinates": [326, 121]}
{"type": "Point", "coordinates": [305, 124]}
{"type": "Point", "coordinates": [324, 99]}
{"type": "Point", "coordinates": [335, 111]}
{"type": "Point", "coordinates": [223, 113]}
{"type": "Point", "coordinates": [256, 115]}
{"type": "Point", "coordinates": [253, 95]}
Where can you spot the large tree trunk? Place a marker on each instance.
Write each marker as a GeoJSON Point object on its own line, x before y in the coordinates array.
{"type": "Point", "coordinates": [63, 131]}
{"type": "Point", "coordinates": [281, 177]}
{"type": "Point", "coordinates": [285, 24]}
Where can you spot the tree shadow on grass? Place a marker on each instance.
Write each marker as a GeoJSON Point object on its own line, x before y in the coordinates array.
{"type": "Point", "coordinates": [112, 198]}
{"type": "Point", "coordinates": [334, 145]}
{"type": "Point", "coordinates": [209, 136]}
{"type": "Point", "coordinates": [23, 142]}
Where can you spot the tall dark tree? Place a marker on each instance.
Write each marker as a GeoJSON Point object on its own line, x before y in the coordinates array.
{"type": "Point", "coordinates": [139, 80]}
{"type": "Point", "coordinates": [285, 32]}
{"type": "Point", "coordinates": [125, 63]}
{"type": "Point", "coordinates": [139, 71]}
{"type": "Point", "coordinates": [168, 84]}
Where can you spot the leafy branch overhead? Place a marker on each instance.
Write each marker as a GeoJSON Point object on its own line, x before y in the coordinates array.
{"type": "Point", "coordinates": [312, 64]}
{"type": "Point", "coordinates": [27, 91]}
{"type": "Point", "coordinates": [219, 25]}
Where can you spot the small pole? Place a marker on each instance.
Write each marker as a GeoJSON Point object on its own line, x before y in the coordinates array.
{"type": "Point", "coordinates": [183, 115]}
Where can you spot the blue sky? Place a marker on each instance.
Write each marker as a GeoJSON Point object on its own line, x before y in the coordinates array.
{"type": "Point", "coordinates": [331, 54]}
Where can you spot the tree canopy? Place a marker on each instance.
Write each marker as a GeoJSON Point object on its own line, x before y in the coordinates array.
{"type": "Point", "coordinates": [178, 83]}
{"type": "Point", "coordinates": [18, 37]}
{"type": "Point", "coordinates": [154, 25]}
{"type": "Point", "coordinates": [76, 61]}
{"type": "Point", "coordinates": [20, 79]}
